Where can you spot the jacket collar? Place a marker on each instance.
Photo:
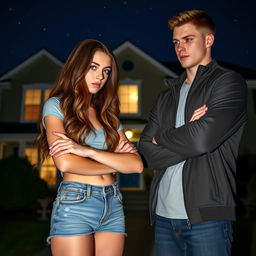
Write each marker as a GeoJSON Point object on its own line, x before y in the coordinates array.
{"type": "Point", "coordinates": [200, 71]}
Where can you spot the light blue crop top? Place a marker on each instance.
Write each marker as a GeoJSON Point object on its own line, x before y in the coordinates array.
{"type": "Point", "coordinates": [52, 108]}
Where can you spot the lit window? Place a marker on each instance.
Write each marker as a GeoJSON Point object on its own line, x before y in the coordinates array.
{"type": "Point", "coordinates": [129, 99]}
{"type": "Point", "coordinates": [31, 154]}
{"type": "Point", "coordinates": [32, 104]}
{"type": "Point", "coordinates": [48, 171]}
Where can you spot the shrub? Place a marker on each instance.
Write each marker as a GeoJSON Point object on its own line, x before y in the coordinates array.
{"type": "Point", "coordinates": [20, 184]}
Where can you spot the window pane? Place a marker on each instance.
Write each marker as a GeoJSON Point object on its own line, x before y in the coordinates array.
{"type": "Point", "coordinates": [128, 96]}
{"type": "Point", "coordinates": [48, 171]}
{"type": "Point", "coordinates": [32, 112]}
{"type": "Point", "coordinates": [33, 97]}
{"type": "Point", "coordinates": [32, 104]}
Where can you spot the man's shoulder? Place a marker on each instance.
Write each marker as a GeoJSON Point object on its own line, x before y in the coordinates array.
{"type": "Point", "coordinates": [218, 71]}
{"type": "Point", "coordinates": [220, 75]}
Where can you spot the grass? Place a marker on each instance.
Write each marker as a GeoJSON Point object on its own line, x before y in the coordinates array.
{"type": "Point", "coordinates": [23, 236]}
{"type": "Point", "coordinates": [244, 237]}
{"type": "Point", "coordinates": [253, 249]}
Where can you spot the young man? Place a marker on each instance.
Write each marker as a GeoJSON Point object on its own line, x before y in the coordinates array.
{"type": "Point", "coordinates": [192, 140]}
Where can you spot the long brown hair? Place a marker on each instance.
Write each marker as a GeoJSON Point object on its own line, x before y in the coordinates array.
{"type": "Point", "coordinates": [75, 98]}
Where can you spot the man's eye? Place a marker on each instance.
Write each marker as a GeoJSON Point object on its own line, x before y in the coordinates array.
{"type": "Point", "coordinates": [189, 39]}
{"type": "Point", "coordinates": [175, 43]}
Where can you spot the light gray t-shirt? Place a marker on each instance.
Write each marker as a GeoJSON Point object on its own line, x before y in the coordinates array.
{"type": "Point", "coordinates": [170, 203]}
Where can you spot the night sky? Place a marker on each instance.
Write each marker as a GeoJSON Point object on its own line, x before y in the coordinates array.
{"type": "Point", "coordinates": [57, 26]}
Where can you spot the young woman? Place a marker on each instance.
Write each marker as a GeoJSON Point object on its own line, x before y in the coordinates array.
{"type": "Point", "coordinates": [81, 131]}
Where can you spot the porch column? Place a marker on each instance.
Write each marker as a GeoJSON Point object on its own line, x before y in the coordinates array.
{"type": "Point", "coordinates": [1, 149]}
{"type": "Point", "coordinates": [22, 145]}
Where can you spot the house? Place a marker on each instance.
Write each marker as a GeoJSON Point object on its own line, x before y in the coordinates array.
{"type": "Point", "coordinates": [248, 143]}
{"type": "Point", "coordinates": [24, 89]}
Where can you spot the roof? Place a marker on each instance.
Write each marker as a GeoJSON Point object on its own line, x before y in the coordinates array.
{"type": "Point", "coordinates": [39, 54]}
{"type": "Point", "coordinates": [247, 73]}
{"type": "Point", "coordinates": [18, 128]}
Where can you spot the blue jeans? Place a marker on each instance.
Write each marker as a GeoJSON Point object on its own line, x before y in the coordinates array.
{"type": "Point", "coordinates": [174, 237]}
{"type": "Point", "coordinates": [82, 209]}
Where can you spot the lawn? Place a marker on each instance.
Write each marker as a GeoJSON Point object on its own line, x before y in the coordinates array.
{"type": "Point", "coordinates": [253, 248]}
{"type": "Point", "coordinates": [244, 237]}
{"type": "Point", "coordinates": [23, 237]}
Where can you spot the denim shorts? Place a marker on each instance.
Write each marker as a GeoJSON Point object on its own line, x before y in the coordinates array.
{"type": "Point", "coordinates": [82, 209]}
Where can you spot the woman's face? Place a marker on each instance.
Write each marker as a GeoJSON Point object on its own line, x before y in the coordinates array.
{"type": "Point", "coordinates": [99, 71]}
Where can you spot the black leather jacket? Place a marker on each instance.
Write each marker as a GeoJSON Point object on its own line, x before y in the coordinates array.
{"type": "Point", "coordinates": [209, 145]}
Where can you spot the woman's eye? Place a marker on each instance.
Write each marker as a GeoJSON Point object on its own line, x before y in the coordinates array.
{"type": "Point", "coordinates": [93, 67]}
{"type": "Point", "coordinates": [107, 71]}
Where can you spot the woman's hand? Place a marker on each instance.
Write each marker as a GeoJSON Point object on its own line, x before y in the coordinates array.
{"type": "Point", "coordinates": [125, 146]}
{"type": "Point", "coordinates": [198, 113]}
{"type": "Point", "coordinates": [65, 145]}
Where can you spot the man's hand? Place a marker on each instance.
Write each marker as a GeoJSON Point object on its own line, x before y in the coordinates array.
{"type": "Point", "coordinates": [154, 141]}
{"type": "Point", "coordinates": [198, 113]}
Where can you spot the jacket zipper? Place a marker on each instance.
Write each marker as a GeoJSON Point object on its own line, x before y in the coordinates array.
{"type": "Point", "coordinates": [184, 196]}
{"type": "Point", "coordinates": [185, 118]}
{"type": "Point", "coordinates": [183, 182]}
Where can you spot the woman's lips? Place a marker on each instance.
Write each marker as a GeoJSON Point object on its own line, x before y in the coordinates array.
{"type": "Point", "coordinates": [97, 85]}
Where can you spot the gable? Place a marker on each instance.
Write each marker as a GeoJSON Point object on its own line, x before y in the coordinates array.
{"type": "Point", "coordinates": [129, 50]}
{"type": "Point", "coordinates": [41, 55]}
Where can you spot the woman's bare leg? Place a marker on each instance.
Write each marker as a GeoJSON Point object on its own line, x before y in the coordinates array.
{"type": "Point", "coordinates": [109, 244]}
{"type": "Point", "coordinates": [72, 246]}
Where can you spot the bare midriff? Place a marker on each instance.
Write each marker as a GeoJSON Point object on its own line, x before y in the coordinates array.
{"type": "Point", "coordinates": [99, 180]}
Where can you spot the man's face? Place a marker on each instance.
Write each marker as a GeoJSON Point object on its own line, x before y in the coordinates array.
{"type": "Point", "coordinates": [191, 46]}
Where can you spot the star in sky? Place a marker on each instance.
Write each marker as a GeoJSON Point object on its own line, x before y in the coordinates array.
{"type": "Point", "coordinates": [58, 26]}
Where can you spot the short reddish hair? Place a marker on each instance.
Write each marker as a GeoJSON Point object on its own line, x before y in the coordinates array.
{"type": "Point", "coordinates": [197, 17]}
